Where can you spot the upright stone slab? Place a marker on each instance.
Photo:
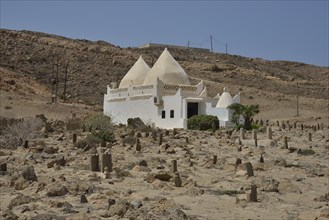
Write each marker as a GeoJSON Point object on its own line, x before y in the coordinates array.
{"type": "Point", "coordinates": [83, 198]}
{"type": "Point", "coordinates": [302, 127]}
{"type": "Point", "coordinates": [74, 138]}
{"type": "Point", "coordinates": [269, 132]}
{"type": "Point", "coordinates": [177, 180]}
{"type": "Point", "coordinates": [309, 136]}
{"type": "Point", "coordinates": [3, 167]}
{"type": "Point", "coordinates": [261, 160]}
{"type": "Point", "coordinates": [285, 139]}
{"type": "Point", "coordinates": [238, 161]}
{"type": "Point", "coordinates": [106, 161]}
{"type": "Point", "coordinates": [214, 161]}
{"type": "Point", "coordinates": [250, 171]}
{"type": "Point", "coordinates": [103, 144]}
{"type": "Point", "coordinates": [138, 146]}
{"type": "Point", "coordinates": [174, 166]}
{"type": "Point", "coordinates": [26, 144]}
{"type": "Point", "coordinates": [94, 162]}
{"type": "Point", "coordinates": [242, 133]}
{"type": "Point", "coordinates": [160, 139]}
{"type": "Point", "coordinates": [253, 193]}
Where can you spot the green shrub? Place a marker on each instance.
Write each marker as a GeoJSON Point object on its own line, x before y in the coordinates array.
{"type": "Point", "coordinates": [202, 122]}
{"type": "Point", "coordinates": [255, 126]}
{"type": "Point", "coordinates": [101, 127]}
{"type": "Point", "coordinates": [90, 140]}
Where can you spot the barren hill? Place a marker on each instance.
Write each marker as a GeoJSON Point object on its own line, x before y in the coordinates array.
{"type": "Point", "coordinates": [94, 64]}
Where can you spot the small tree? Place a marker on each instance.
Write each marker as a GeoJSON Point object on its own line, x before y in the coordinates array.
{"type": "Point", "coordinates": [101, 127]}
{"type": "Point", "coordinates": [247, 111]}
{"type": "Point", "coordinates": [27, 129]}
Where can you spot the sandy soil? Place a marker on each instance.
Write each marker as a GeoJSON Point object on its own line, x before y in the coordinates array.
{"type": "Point", "coordinates": [290, 184]}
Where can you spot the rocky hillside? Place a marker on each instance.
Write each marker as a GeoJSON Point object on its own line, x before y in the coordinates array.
{"type": "Point", "coordinates": [94, 64]}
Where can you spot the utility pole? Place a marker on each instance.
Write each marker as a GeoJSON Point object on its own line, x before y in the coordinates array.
{"type": "Point", "coordinates": [297, 101]}
{"type": "Point", "coordinates": [57, 63]}
{"type": "Point", "coordinates": [226, 48]}
{"type": "Point", "coordinates": [211, 44]}
{"type": "Point", "coordinates": [65, 80]}
{"type": "Point", "coordinates": [52, 80]}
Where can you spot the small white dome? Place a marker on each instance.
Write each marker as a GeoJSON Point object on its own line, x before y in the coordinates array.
{"type": "Point", "coordinates": [167, 70]}
{"type": "Point", "coordinates": [225, 100]}
{"type": "Point", "coordinates": [136, 75]}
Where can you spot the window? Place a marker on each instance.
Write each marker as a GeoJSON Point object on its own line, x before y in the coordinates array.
{"type": "Point", "coordinates": [172, 114]}
{"type": "Point", "coordinates": [163, 114]}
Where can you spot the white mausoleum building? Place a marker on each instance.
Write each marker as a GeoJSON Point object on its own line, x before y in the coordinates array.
{"type": "Point", "coordinates": [164, 96]}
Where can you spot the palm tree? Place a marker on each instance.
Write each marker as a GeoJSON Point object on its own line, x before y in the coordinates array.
{"type": "Point", "coordinates": [247, 111]}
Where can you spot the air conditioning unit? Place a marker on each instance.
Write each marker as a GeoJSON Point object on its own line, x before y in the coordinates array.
{"type": "Point", "coordinates": [156, 100]}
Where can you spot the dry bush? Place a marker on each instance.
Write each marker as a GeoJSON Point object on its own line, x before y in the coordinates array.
{"type": "Point", "coordinates": [27, 129]}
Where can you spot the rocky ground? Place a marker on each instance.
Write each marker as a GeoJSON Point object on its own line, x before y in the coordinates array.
{"type": "Point", "coordinates": [49, 177]}
{"type": "Point", "coordinates": [52, 177]}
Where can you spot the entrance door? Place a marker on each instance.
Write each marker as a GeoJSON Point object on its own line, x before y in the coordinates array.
{"type": "Point", "coordinates": [192, 109]}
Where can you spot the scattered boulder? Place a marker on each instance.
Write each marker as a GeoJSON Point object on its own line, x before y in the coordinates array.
{"type": "Point", "coordinates": [56, 190]}
{"type": "Point", "coordinates": [142, 163]}
{"type": "Point", "coordinates": [163, 176]}
{"type": "Point", "coordinates": [59, 161]}
{"type": "Point", "coordinates": [244, 169]}
{"type": "Point", "coordinates": [111, 202]}
{"type": "Point", "coordinates": [118, 209]}
{"type": "Point", "coordinates": [269, 185]}
{"type": "Point", "coordinates": [29, 174]}
{"type": "Point", "coordinates": [20, 200]}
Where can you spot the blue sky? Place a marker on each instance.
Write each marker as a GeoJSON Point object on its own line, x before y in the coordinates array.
{"type": "Point", "coordinates": [274, 30]}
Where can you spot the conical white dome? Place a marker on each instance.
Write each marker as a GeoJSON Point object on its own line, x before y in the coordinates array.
{"type": "Point", "coordinates": [167, 70]}
{"type": "Point", "coordinates": [136, 75]}
{"type": "Point", "coordinates": [225, 100]}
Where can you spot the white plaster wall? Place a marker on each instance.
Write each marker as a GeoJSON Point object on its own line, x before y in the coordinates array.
{"type": "Point", "coordinates": [223, 115]}
{"type": "Point", "coordinates": [172, 103]}
{"type": "Point", "coordinates": [147, 111]}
